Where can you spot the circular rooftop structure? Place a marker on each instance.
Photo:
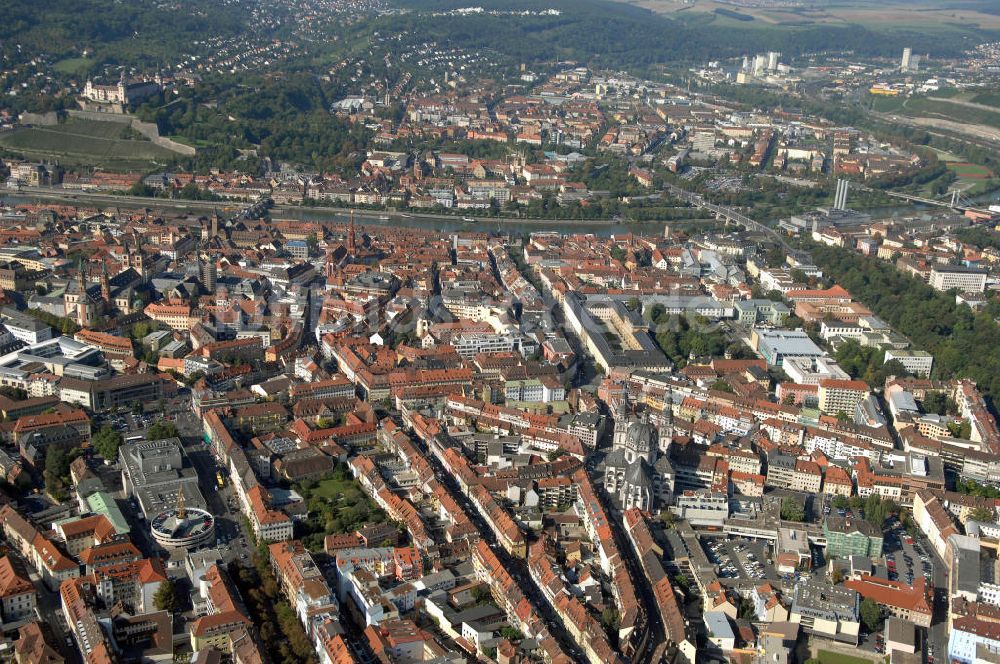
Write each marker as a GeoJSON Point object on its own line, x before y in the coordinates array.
{"type": "Point", "coordinates": [183, 528]}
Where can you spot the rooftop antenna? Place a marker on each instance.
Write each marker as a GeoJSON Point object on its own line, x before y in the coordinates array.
{"type": "Point", "coordinates": [181, 511]}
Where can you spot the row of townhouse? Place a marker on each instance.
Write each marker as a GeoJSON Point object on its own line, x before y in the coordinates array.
{"type": "Point", "coordinates": [359, 572]}
{"type": "Point", "coordinates": [546, 433]}
{"type": "Point", "coordinates": [589, 508]}
{"type": "Point", "coordinates": [43, 554]}
{"type": "Point", "coordinates": [303, 584]}
{"type": "Point", "coordinates": [676, 631]}
{"type": "Point", "coordinates": [584, 628]}
{"type": "Point", "coordinates": [506, 592]}
{"type": "Point", "coordinates": [268, 524]}
{"type": "Point", "coordinates": [227, 626]}
{"type": "Point", "coordinates": [509, 596]}
{"type": "Point", "coordinates": [398, 508]}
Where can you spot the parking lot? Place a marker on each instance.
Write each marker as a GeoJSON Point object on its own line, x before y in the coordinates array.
{"type": "Point", "coordinates": [741, 559]}
{"type": "Point", "coordinates": [906, 558]}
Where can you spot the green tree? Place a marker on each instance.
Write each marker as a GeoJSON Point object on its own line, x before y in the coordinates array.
{"type": "Point", "coordinates": [106, 442]}
{"type": "Point", "coordinates": [57, 460]}
{"type": "Point", "coordinates": [871, 614]}
{"type": "Point", "coordinates": [974, 488]}
{"type": "Point", "coordinates": [792, 509]}
{"type": "Point", "coordinates": [14, 393]}
{"type": "Point", "coordinates": [841, 502]}
{"type": "Point", "coordinates": [141, 189]}
{"type": "Point", "coordinates": [166, 598]}
{"type": "Point", "coordinates": [961, 429]}
{"type": "Point", "coordinates": [746, 610]}
{"type": "Point", "coordinates": [983, 514]}
{"type": "Point", "coordinates": [938, 403]}
{"type": "Point", "coordinates": [481, 594]}
{"type": "Point", "coordinates": [160, 430]}
{"type": "Point", "coordinates": [611, 620]}
{"type": "Point", "coordinates": [511, 633]}
{"type": "Point", "coordinates": [775, 257]}
{"type": "Point", "coordinates": [877, 510]}
{"type": "Point", "coordinates": [669, 519]}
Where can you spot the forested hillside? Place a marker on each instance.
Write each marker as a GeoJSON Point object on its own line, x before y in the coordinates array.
{"type": "Point", "coordinates": [614, 34]}
{"type": "Point", "coordinates": [133, 32]}
{"type": "Point", "coordinates": [964, 344]}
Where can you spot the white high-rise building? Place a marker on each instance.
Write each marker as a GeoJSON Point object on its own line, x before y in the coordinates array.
{"type": "Point", "coordinates": [905, 63]}
{"type": "Point", "coordinates": [772, 60]}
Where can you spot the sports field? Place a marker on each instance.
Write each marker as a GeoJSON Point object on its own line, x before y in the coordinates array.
{"type": "Point", "coordinates": [970, 171]}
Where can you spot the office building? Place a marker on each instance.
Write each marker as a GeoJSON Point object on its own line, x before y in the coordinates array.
{"type": "Point", "coordinates": [917, 362]}
{"type": "Point", "coordinates": [965, 279]}
{"type": "Point", "coordinates": [851, 537]}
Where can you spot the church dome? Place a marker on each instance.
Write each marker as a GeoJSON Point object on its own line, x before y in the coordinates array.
{"type": "Point", "coordinates": [640, 435]}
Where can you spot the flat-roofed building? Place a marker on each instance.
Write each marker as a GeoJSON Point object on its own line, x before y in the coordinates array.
{"type": "Point", "coordinates": [25, 328]}
{"type": "Point", "coordinates": [965, 279]}
{"type": "Point", "coordinates": [828, 611]}
{"type": "Point", "coordinates": [775, 346]}
{"type": "Point", "coordinates": [154, 471]}
{"type": "Point", "coordinates": [917, 362]}
{"type": "Point", "coordinates": [841, 396]}
{"type": "Point", "coordinates": [900, 636]}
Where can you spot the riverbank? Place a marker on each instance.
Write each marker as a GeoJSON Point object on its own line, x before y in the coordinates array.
{"type": "Point", "coordinates": [427, 221]}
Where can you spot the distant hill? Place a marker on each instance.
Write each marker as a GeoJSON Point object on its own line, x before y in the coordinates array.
{"type": "Point", "coordinates": [630, 34]}
{"type": "Point", "coordinates": [131, 32]}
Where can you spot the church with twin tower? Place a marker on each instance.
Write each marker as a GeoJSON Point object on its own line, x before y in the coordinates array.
{"type": "Point", "coordinates": [638, 470]}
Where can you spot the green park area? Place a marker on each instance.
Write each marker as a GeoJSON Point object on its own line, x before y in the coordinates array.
{"type": "Point", "coordinates": [830, 657]}
{"type": "Point", "coordinates": [337, 505]}
{"type": "Point", "coordinates": [74, 66]}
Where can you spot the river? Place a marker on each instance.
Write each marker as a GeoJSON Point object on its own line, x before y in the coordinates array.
{"type": "Point", "coordinates": [443, 223]}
